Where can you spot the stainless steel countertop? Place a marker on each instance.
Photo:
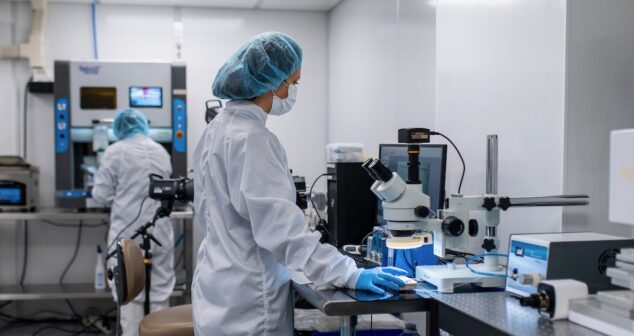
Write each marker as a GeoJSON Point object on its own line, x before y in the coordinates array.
{"type": "Point", "coordinates": [66, 214]}
{"type": "Point", "coordinates": [503, 312]}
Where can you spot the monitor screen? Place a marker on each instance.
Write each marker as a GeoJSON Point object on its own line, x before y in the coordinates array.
{"type": "Point", "coordinates": [432, 160]}
{"type": "Point", "coordinates": [146, 96]}
{"type": "Point", "coordinates": [10, 196]}
{"type": "Point", "coordinates": [98, 98]}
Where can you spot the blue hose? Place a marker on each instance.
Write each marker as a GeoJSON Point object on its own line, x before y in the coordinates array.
{"type": "Point", "coordinates": [485, 255]}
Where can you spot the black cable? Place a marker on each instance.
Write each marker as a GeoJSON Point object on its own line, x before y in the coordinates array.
{"type": "Point", "coordinates": [310, 194]}
{"type": "Point", "coordinates": [408, 263]}
{"type": "Point", "coordinates": [25, 253]}
{"type": "Point", "coordinates": [322, 222]}
{"type": "Point", "coordinates": [68, 331]}
{"type": "Point", "coordinates": [127, 226]}
{"type": "Point", "coordinates": [464, 166]}
{"type": "Point", "coordinates": [366, 237]}
{"type": "Point", "coordinates": [72, 309]}
{"type": "Point", "coordinates": [26, 89]}
{"type": "Point", "coordinates": [72, 259]}
{"type": "Point", "coordinates": [4, 304]}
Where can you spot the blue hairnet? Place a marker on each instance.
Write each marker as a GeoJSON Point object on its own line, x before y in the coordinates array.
{"type": "Point", "coordinates": [129, 122]}
{"type": "Point", "coordinates": [259, 66]}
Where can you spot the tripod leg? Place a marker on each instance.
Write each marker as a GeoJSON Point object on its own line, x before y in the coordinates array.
{"type": "Point", "coordinates": [148, 285]}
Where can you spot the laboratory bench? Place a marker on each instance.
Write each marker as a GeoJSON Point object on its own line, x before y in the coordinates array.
{"type": "Point", "coordinates": [87, 291]}
{"type": "Point", "coordinates": [468, 313]}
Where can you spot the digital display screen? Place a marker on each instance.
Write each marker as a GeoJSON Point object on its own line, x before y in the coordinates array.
{"type": "Point", "coordinates": [98, 98]}
{"type": "Point", "coordinates": [10, 196]}
{"type": "Point", "coordinates": [525, 258]}
{"type": "Point", "coordinates": [146, 96]}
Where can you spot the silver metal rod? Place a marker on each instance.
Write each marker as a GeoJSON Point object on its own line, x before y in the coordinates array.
{"type": "Point", "coordinates": [347, 325]}
{"type": "Point", "coordinates": [492, 165]}
{"type": "Point", "coordinates": [559, 200]}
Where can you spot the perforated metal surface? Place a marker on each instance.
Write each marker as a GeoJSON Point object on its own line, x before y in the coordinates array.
{"type": "Point", "coordinates": [503, 312]}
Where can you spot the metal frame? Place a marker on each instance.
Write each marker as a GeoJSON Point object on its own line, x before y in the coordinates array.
{"type": "Point", "coordinates": [87, 291]}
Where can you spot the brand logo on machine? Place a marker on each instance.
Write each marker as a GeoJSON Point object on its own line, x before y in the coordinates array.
{"type": "Point", "coordinates": [89, 70]}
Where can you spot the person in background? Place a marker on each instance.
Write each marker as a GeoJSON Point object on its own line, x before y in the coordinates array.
{"type": "Point", "coordinates": [122, 182]}
{"type": "Point", "coordinates": [245, 201]}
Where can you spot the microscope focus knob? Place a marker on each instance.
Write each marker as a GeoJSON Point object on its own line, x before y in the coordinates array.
{"type": "Point", "coordinates": [489, 245]}
{"type": "Point", "coordinates": [489, 203]}
{"type": "Point", "coordinates": [504, 203]}
{"type": "Point", "coordinates": [421, 211]}
{"type": "Point", "coordinates": [452, 226]}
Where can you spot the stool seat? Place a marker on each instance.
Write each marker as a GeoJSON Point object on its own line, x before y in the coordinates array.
{"type": "Point", "coordinates": [173, 321]}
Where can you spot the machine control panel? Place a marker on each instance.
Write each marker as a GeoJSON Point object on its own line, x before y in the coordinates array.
{"type": "Point", "coordinates": [75, 193]}
{"type": "Point", "coordinates": [62, 132]}
{"type": "Point", "coordinates": [179, 125]}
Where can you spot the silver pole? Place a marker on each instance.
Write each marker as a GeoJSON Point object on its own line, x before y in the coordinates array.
{"type": "Point", "coordinates": [492, 165]}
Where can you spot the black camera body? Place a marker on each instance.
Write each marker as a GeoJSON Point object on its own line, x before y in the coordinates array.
{"type": "Point", "coordinates": [173, 189]}
{"type": "Point", "coordinates": [301, 198]}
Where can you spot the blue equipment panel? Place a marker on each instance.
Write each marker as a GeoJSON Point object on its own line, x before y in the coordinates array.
{"type": "Point", "coordinates": [62, 134]}
{"type": "Point", "coordinates": [526, 258]}
{"type": "Point", "coordinates": [74, 193]}
{"type": "Point", "coordinates": [179, 125]}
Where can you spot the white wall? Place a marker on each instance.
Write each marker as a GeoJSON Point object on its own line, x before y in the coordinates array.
{"type": "Point", "coordinates": [600, 98]}
{"type": "Point", "coordinates": [381, 70]}
{"type": "Point", "coordinates": [500, 70]}
{"type": "Point", "coordinates": [141, 33]}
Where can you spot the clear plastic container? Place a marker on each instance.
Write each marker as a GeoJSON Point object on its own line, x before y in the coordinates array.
{"type": "Point", "coordinates": [344, 152]}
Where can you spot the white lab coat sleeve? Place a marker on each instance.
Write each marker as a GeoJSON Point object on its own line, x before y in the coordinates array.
{"type": "Point", "coordinates": [265, 196]}
{"type": "Point", "coordinates": [103, 191]}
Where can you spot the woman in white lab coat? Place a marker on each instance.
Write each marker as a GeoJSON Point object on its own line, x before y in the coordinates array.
{"type": "Point", "coordinates": [245, 201]}
{"type": "Point", "coordinates": [122, 182]}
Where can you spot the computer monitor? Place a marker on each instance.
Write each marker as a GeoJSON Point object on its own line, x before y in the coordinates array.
{"type": "Point", "coordinates": [433, 163]}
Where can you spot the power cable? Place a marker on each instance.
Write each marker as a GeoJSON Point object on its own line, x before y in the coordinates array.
{"type": "Point", "coordinates": [25, 254]}
{"type": "Point", "coordinates": [464, 166]}
{"type": "Point", "coordinates": [127, 226]}
{"type": "Point", "coordinates": [322, 222]}
{"type": "Point", "coordinates": [72, 259]}
{"type": "Point", "coordinates": [25, 110]}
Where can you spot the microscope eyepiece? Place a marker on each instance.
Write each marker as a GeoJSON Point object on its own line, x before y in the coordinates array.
{"type": "Point", "coordinates": [366, 167]}
{"type": "Point", "coordinates": [382, 172]}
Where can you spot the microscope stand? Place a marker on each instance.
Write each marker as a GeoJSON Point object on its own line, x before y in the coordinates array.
{"type": "Point", "coordinates": [448, 277]}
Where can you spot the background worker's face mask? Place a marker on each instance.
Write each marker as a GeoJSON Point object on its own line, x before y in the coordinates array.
{"type": "Point", "coordinates": [283, 106]}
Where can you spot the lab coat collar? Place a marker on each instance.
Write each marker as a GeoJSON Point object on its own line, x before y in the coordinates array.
{"type": "Point", "coordinates": [246, 107]}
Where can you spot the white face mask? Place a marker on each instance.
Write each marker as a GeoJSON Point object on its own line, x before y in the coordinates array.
{"type": "Point", "coordinates": [283, 106]}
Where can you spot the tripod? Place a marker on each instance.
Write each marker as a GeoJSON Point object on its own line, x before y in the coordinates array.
{"type": "Point", "coordinates": [163, 211]}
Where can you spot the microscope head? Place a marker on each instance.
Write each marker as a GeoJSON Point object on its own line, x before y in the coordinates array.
{"type": "Point", "coordinates": [404, 205]}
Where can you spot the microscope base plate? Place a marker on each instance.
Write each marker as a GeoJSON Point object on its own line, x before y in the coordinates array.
{"type": "Point", "coordinates": [447, 278]}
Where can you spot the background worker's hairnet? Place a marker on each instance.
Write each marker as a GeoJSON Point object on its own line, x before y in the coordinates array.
{"type": "Point", "coordinates": [129, 122]}
{"type": "Point", "coordinates": [259, 66]}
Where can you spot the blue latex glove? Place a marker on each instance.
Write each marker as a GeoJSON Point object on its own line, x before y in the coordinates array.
{"type": "Point", "coordinates": [373, 279]}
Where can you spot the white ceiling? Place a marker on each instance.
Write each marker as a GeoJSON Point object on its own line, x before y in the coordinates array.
{"type": "Point", "coordinates": [300, 5]}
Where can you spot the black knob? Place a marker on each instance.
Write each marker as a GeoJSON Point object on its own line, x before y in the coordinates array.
{"type": "Point", "coordinates": [489, 245]}
{"type": "Point", "coordinates": [489, 203]}
{"type": "Point", "coordinates": [421, 211]}
{"type": "Point", "coordinates": [452, 226]}
{"type": "Point", "coordinates": [473, 228]}
{"type": "Point", "coordinates": [504, 203]}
